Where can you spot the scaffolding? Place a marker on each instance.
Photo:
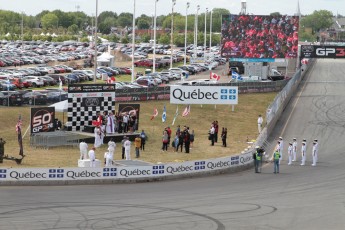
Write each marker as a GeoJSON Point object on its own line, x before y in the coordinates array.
{"type": "Point", "coordinates": [54, 139]}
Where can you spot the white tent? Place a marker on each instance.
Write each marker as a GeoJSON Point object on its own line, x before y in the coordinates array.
{"type": "Point", "coordinates": [61, 106]}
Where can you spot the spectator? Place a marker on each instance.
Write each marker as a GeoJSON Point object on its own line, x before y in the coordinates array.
{"type": "Point", "coordinates": [143, 140]}
{"type": "Point", "coordinates": [192, 136]}
{"type": "Point", "coordinates": [137, 144]}
{"type": "Point", "coordinates": [165, 140]}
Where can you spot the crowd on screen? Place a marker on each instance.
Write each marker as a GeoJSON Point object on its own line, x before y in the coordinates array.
{"type": "Point", "coordinates": [253, 36]}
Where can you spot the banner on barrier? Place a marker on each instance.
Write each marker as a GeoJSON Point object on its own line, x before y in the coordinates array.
{"type": "Point", "coordinates": [51, 174]}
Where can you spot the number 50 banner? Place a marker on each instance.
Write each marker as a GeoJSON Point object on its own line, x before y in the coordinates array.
{"type": "Point", "coordinates": [42, 119]}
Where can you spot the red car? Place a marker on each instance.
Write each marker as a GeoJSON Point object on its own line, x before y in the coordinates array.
{"type": "Point", "coordinates": [145, 63]}
{"type": "Point", "coordinates": [17, 82]}
{"type": "Point", "coordinates": [126, 70]}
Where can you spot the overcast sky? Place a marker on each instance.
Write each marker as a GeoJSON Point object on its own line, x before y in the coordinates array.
{"type": "Point", "coordinates": [261, 7]}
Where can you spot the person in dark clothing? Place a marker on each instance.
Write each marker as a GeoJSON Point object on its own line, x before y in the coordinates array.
{"type": "Point", "coordinates": [216, 128]}
{"type": "Point", "coordinates": [224, 135]}
{"type": "Point", "coordinates": [143, 140]}
{"type": "Point", "coordinates": [123, 147]}
{"type": "Point", "coordinates": [180, 141]}
{"type": "Point", "coordinates": [2, 149]}
{"type": "Point", "coordinates": [186, 141]}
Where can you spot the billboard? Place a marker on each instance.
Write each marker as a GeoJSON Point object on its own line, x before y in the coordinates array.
{"type": "Point", "coordinates": [42, 119]}
{"type": "Point", "coordinates": [311, 51]}
{"type": "Point", "coordinates": [260, 37]}
{"type": "Point", "coordinates": [215, 95]}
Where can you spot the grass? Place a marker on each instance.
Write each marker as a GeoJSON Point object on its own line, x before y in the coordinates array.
{"type": "Point", "coordinates": [241, 125]}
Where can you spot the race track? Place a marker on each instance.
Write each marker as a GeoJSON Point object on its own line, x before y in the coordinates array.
{"type": "Point", "coordinates": [300, 197]}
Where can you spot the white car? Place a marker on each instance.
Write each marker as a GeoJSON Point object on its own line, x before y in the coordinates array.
{"type": "Point", "coordinates": [35, 81]}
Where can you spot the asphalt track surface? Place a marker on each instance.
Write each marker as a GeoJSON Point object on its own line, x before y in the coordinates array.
{"type": "Point", "coordinates": [300, 197]}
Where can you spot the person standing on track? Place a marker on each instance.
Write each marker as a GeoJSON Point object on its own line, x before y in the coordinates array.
{"type": "Point", "coordinates": [258, 159]}
{"type": "Point", "coordinates": [83, 150]}
{"type": "Point", "coordinates": [294, 149]}
{"type": "Point", "coordinates": [127, 145]}
{"type": "Point", "coordinates": [281, 148]}
{"type": "Point", "coordinates": [290, 152]}
{"type": "Point", "coordinates": [314, 153]}
{"type": "Point", "coordinates": [317, 149]}
{"type": "Point", "coordinates": [303, 152]}
{"type": "Point", "coordinates": [276, 159]}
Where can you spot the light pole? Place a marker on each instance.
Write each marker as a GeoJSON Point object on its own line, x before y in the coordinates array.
{"type": "Point", "coordinates": [211, 29]}
{"type": "Point", "coordinates": [185, 36]}
{"type": "Point", "coordinates": [196, 31]}
{"type": "Point", "coordinates": [133, 41]}
{"type": "Point", "coordinates": [205, 34]}
{"type": "Point", "coordinates": [96, 21]}
{"type": "Point", "coordinates": [154, 37]}
{"type": "Point", "coordinates": [172, 33]}
{"type": "Point", "coordinates": [22, 30]}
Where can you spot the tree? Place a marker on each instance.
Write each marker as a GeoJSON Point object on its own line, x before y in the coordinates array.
{"type": "Point", "coordinates": [275, 14]}
{"type": "Point", "coordinates": [318, 20]}
{"type": "Point", "coordinates": [164, 39]}
{"type": "Point", "coordinates": [125, 19]}
{"type": "Point", "coordinates": [143, 24]}
{"type": "Point", "coordinates": [49, 21]}
{"type": "Point", "coordinates": [73, 29]}
{"type": "Point", "coordinates": [217, 18]}
{"type": "Point", "coordinates": [105, 26]}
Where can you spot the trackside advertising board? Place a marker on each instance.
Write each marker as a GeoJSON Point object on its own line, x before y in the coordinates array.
{"type": "Point", "coordinates": [215, 95]}
{"type": "Point", "coordinates": [51, 174]}
{"type": "Point", "coordinates": [42, 119]}
{"type": "Point", "coordinates": [311, 51]}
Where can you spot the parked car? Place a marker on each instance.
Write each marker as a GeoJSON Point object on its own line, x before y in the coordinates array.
{"type": "Point", "coordinates": [147, 81]}
{"type": "Point", "coordinates": [35, 81]}
{"type": "Point", "coordinates": [34, 98]}
{"type": "Point", "coordinates": [5, 85]}
{"type": "Point", "coordinates": [56, 96]}
{"type": "Point", "coordinates": [11, 98]}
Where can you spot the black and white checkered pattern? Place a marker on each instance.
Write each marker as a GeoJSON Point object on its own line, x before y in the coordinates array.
{"type": "Point", "coordinates": [79, 116]}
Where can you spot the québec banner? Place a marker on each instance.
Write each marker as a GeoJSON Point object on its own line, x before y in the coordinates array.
{"type": "Point", "coordinates": [215, 95]}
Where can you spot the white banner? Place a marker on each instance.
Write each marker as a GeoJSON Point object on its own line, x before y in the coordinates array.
{"type": "Point", "coordinates": [215, 95]}
{"type": "Point", "coordinates": [51, 174]}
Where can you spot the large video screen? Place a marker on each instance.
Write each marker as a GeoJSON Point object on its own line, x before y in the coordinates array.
{"type": "Point", "coordinates": [257, 36]}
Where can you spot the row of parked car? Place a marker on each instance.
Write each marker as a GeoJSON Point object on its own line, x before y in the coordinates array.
{"type": "Point", "coordinates": [10, 98]}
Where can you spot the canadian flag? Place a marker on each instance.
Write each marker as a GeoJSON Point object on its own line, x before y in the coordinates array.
{"type": "Point", "coordinates": [111, 80]}
{"type": "Point", "coordinates": [214, 76]}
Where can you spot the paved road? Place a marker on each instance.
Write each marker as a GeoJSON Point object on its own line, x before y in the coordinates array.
{"type": "Point", "coordinates": [297, 198]}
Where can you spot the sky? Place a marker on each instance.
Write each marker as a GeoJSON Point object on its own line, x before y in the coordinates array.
{"type": "Point", "coordinates": [260, 7]}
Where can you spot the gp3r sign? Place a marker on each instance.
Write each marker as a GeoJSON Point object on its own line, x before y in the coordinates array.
{"type": "Point", "coordinates": [309, 51]}
{"type": "Point", "coordinates": [215, 95]}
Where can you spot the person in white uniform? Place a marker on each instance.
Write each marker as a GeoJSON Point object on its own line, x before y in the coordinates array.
{"type": "Point", "coordinates": [92, 157]}
{"type": "Point", "coordinates": [314, 153]}
{"type": "Point", "coordinates": [108, 159]}
{"type": "Point", "coordinates": [127, 145]}
{"type": "Point", "coordinates": [294, 149]}
{"type": "Point", "coordinates": [111, 146]}
{"type": "Point", "coordinates": [303, 152]}
{"type": "Point", "coordinates": [83, 150]}
{"type": "Point", "coordinates": [290, 150]}
{"type": "Point", "coordinates": [260, 121]}
{"type": "Point", "coordinates": [317, 150]}
{"type": "Point", "coordinates": [98, 137]}
{"type": "Point", "coordinates": [281, 148]}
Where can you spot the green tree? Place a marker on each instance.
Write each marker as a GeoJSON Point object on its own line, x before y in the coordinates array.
{"type": "Point", "coordinates": [49, 21]}
{"type": "Point", "coordinates": [73, 29]}
{"type": "Point", "coordinates": [164, 39]}
{"type": "Point", "coordinates": [217, 18]}
{"type": "Point", "coordinates": [143, 23]}
{"type": "Point", "coordinates": [125, 19]}
{"type": "Point", "coordinates": [318, 20]}
{"type": "Point", "coordinates": [275, 14]}
{"type": "Point", "coordinates": [105, 26]}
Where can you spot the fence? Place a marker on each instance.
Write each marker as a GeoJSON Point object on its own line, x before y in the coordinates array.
{"type": "Point", "coordinates": [52, 139]}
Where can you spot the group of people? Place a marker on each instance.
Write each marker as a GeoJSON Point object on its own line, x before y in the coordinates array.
{"type": "Point", "coordinates": [91, 154]}
{"type": "Point", "coordinates": [292, 152]}
{"type": "Point", "coordinates": [183, 137]}
{"type": "Point", "coordinates": [253, 36]}
{"type": "Point", "coordinates": [213, 134]}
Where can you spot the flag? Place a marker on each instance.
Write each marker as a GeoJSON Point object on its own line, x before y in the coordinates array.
{"type": "Point", "coordinates": [155, 113]}
{"type": "Point", "coordinates": [19, 133]}
{"type": "Point", "coordinates": [60, 83]}
{"type": "Point", "coordinates": [186, 111]}
{"type": "Point", "coordinates": [176, 114]}
{"type": "Point", "coordinates": [164, 114]}
{"type": "Point", "coordinates": [214, 76]}
{"type": "Point", "coordinates": [236, 76]}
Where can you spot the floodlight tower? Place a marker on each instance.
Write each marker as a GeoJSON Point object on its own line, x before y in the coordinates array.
{"type": "Point", "coordinates": [243, 7]}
